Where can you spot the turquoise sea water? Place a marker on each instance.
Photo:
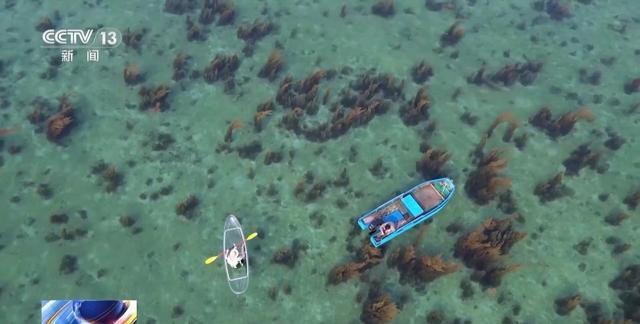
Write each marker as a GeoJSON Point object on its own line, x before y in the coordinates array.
{"type": "Point", "coordinates": [159, 259]}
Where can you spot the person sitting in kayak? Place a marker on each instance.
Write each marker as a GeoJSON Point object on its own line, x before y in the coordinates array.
{"type": "Point", "coordinates": [234, 257]}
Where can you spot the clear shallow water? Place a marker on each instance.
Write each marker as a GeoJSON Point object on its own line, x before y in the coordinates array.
{"type": "Point", "coordinates": [161, 265]}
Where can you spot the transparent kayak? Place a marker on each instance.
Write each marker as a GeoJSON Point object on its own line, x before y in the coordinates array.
{"type": "Point", "coordinates": [233, 235]}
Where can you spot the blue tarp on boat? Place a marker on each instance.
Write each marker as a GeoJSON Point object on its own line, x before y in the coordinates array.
{"type": "Point", "coordinates": [412, 205]}
{"type": "Point", "coordinates": [395, 217]}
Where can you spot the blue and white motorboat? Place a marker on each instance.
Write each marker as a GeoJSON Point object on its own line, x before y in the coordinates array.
{"type": "Point", "coordinates": [406, 210]}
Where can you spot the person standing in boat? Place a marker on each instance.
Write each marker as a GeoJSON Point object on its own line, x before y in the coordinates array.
{"type": "Point", "coordinates": [235, 257]}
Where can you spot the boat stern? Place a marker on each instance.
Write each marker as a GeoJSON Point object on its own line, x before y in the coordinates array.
{"type": "Point", "coordinates": [361, 223]}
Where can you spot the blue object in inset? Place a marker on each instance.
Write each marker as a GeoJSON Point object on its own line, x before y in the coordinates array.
{"type": "Point", "coordinates": [412, 205]}
{"type": "Point", "coordinates": [99, 311]}
{"type": "Point", "coordinates": [395, 217]}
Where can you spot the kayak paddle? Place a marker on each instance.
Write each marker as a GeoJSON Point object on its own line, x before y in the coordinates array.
{"type": "Point", "coordinates": [213, 258]}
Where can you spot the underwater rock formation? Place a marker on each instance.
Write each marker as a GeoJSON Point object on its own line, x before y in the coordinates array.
{"type": "Point", "coordinates": [592, 78]}
{"type": "Point", "coordinates": [179, 7]}
{"type": "Point", "coordinates": [378, 169]}
{"type": "Point", "coordinates": [180, 70]}
{"type": "Point", "coordinates": [266, 106]}
{"type": "Point", "coordinates": [273, 65]}
{"type": "Point", "coordinates": [308, 189]}
{"type": "Point", "coordinates": [250, 150]}
{"type": "Point", "coordinates": [484, 248]}
{"type": "Point", "coordinates": [615, 141]}
{"type": "Point", "coordinates": [68, 264]}
{"type": "Point", "coordinates": [222, 67]}
{"type": "Point", "coordinates": [627, 285]}
{"type": "Point", "coordinates": [552, 189]}
{"type": "Point", "coordinates": [343, 272]}
{"type": "Point", "coordinates": [154, 99]}
{"type": "Point", "coordinates": [421, 72]}
{"type": "Point", "coordinates": [194, 32]}
{"type": "Point", "coordinates": [301, 94]}
{"type": "Point", "coordinates": [437, 5]}
{"type": "Point", "coordinates": [208, 12]}
{"type": "Point", "coordinates": [251, 33]}
{"type": "Point", "coordinates": [369, 255]}
{"type": "Point", "coordinates": [289, 256]}
{"type": "Point", "coordinates": [561, 126]}
{"type": "Point", "coordinates": [521, 141]}
{"type": "Point", "coordinates": [595, 314]}
{"type": "Point", "coordinates": [432, 162]}
{"type": "Point", "coordinates": [272, 157]}
{"type": "Point", "coordinates": [62, 122]}
{"type": "Point", "coordinates": [416, 110]}
{"type": "Point", "coordinates": [478, 151]}
{"type": "Point", "coordinates": [55, 121]}
{"type": "Point", "coordinates": [505, 117]}
{"type": "Point", "coordinates": [227, 14]}
{"type": "Point", "coordinates": [488, 243]}
{"type": "Point", "coordinates": [342, 180]}
{"type": "Point", "coordinates": [233, 125]}
{"type": "Point", "coordinates": [485, 183]}
{"type": "Point", "coordinates": [419, 268]}
{"type": "Point", "coordinates": [633, 109]}
{"type": "Point", "coordinates": [258, 117]}
{"type": "Point", "coordinates": [469, 118]}
{"type": "Point", "coordinates": [436, 317]}
{"type": "Point", "coordinates": [292, 120]}
{"type": "Point", "coordinates": [366, 257]}
{"type": "Point", "coordinates": [525, 73]}
{"type": "Point", "coordinates": [133, 39]}
{"type": "Point", "coordinates": [566, 305]}
{"type": "Point", "coordinates": [453, 35]}
{"type": "Point", "coordinates": [383, 8]}
{"type": "Point", "coordinates": [582, 157]}
{"type": "Point", "coordinates": [378, 309]}
{"type": "Point", "coordinates": [632, 86]}
{"type": "Point", "coordinates": [43, 190]}
{"type": "Point", "coordinates": [507, 203]}
{"type": "Point", "coordinates": [632, 200]}
{"type": "Point", "coordinates": [263, 111]}
{"type": "Point", "coordinates": [160, 141]}
{"type": "Point", "coordinates": [353, 109]}
{"type": "Point", "coordinates": [60, 218]}
{"type": "Point", "coordinates": [479, 77]}
{"type": "Point", "coordinates": [370, 84]}
{"type": "Point", "coordinates": [620, 247]}
{"type": "Point", "coordinates": [616, 217]}
{"type": "Point", "coordinates": [467, 289]}
{"type": "Point", "coordinates": [186, 207]}
{"type": "Point", "coordinates": [508, 75]}
{"type": "Point", "coordinates": [127, 221]}
{"type": "Point", "coordinates": [132, 74]}
{"type": "Point", "coordinates": [66, 234]}
{"type": "Point", "coordinates": [492, 276]}
{"type": "Point", "coordinates": [46, 23]}
{"type": "Point", "coordinates": [110, 176]}
{"type": "Point", "coordinates": [211, 8]}
{"type": "Point", "coordinates": [556, 9]}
